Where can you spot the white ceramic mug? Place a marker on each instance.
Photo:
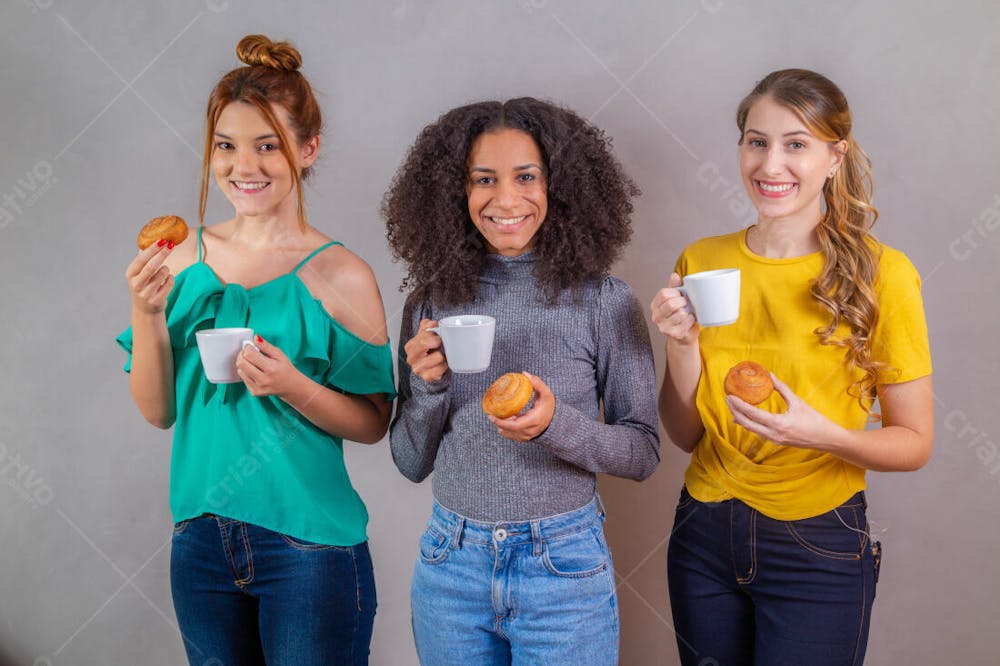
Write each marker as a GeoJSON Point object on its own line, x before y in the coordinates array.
{"type": "Point", "coordinates": [468, 341]}
{"type": "Point", "coordinates": [714, 296]}
{"type": "Point", "coordinates": [219, 348]}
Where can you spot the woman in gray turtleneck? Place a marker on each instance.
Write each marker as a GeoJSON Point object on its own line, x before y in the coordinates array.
{"type": "Point", "coordinates": [517, 210]}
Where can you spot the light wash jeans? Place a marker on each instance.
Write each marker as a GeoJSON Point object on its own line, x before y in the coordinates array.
{"type": "Point", "coordinates": [534, 592]}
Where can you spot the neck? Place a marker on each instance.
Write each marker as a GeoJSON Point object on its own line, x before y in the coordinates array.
{"type": "Point", "coordinates": [782, 239]}
{"type": "Point", "coordinates": [274, 228]}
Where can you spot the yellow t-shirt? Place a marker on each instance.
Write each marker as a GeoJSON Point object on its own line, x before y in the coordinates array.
{"type": "Point", "coordinates": [778, 317]}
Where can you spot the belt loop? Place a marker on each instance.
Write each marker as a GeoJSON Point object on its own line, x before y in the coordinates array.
{"type": "Point", "coordinates": [456, 533]}
{"type": "Point", "coordinates": [536, 538]}
{"type": "Point", "coordinates": [600, 506]}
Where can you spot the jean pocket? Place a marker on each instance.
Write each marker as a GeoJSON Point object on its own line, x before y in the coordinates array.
{"type": "Point", "coordinates": [309, 546]}
{"type": "Point", "coordinates": [578, 555]}
{"type": "Point", "coordinates": [877, 558]}
{"type": "Point", "coordinates": [685, 498]}
{"type": "Point", "coordinates": [181, 526]}
{"type": "Point", "coordinates": [434, 546]}
{"type": "Point", "coordinates": [839, 534]}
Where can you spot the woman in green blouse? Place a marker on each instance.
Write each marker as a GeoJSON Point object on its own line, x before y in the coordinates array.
{"type": "Point", "coordinates": [269, 560]}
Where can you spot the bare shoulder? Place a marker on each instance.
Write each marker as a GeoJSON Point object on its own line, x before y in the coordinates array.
{"type": "Point", "coordinates": [345, 284]}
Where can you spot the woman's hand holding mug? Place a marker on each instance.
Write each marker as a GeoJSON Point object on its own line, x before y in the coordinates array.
{"type": "Point", "coordinates": [672, 315]}
{"type": "Point", "coordinates": [424, 353]}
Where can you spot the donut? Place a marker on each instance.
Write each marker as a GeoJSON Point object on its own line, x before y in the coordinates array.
{"type": "Point", "coordinates": [749, 381]}
{"type": "Point", "coordinates": [168, 227]}
{"type": "Point", "coordinates": [508, 395]}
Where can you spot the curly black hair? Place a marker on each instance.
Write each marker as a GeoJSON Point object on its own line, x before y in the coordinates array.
{"type": "Point", "coordinates": [589, 201]}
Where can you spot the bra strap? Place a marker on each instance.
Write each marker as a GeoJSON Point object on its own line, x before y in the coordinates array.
{"type": "Point", "coordinates": [200, 229]}
{"type": "Point", "coordinates": [314, 253]}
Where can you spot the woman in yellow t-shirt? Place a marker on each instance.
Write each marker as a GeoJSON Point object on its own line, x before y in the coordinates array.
{"type": "Point", "coordinates": [771, 560]}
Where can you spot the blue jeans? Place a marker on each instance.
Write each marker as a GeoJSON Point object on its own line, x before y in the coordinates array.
{"type": "Point", "coordinates": [746, 589]}
{"type": "Point", "coordinates": [245, 595]}
{"type": "Point", "coordinates": [534, 592]}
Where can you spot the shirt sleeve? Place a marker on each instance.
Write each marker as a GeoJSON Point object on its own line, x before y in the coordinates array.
{"type": "Point", "coordinates": [421, 407]}
{"type": "Point", "coordinates": [124, 341]}
{"type": "Point", "coordinates": [900, 337]}
{"type": "Point", "coordinates": [627, 443]}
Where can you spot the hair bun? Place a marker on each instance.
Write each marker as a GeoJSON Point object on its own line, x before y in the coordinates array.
{"type": "Point", "coordinates": [258, 50]}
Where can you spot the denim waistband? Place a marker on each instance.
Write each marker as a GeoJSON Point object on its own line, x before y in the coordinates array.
{"type": "Point", "coordinates": [513, 533]}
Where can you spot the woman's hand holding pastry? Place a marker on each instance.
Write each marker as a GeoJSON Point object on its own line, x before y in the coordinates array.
{"type": "Point", "coordinates": [266, 370]}
{"type": "Point", "coordinates": [799, 425]}
{"type": "Point", "coordinates": [149, 279]}
{"type": "Point", "coordinates": [671, 314]}
{"type": "Point", "coordinates": [424, 353]}
{"type": "Point", "coordinates": [533, 422]}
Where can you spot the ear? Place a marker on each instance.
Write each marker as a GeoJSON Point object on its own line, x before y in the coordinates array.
{"type": "Point", "coordinates": [309, 151]}
{"type": "Point", "coordinates": [838, 151]}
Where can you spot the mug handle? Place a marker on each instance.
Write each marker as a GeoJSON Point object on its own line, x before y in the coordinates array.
{"type": "Point", "coordinates": [684, 292]}
{"type": "Point", "coordinates": [249, 343]}
{"type": "Point", "coordinates": [434, 330]}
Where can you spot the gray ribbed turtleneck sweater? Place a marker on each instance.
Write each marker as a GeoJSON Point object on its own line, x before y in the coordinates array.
{"type": "Point", "coordinates": [586, 351]}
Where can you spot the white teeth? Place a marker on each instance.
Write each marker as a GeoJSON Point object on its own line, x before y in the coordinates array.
{"type": "Point", "coordinates": [504, 221]}
{"type": "Point", "coordinates": [249, 186]}
{"type": "Point", "coordinates": [776, 188]}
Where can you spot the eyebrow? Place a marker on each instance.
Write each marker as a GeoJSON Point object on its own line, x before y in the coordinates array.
{"type": "Point", "coordinates": [795, 133]}
{"type": "Point", "coordinates": [257, 138]}
{"type": "Point", "coordinates": [520, 167]}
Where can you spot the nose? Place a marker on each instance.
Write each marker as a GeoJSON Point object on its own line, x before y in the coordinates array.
{"type": "Point", "coordinates": [774, 161]}
{"type": "Point", "coordinates": [506, 194]}
{"type": "Point", "coordinates": [246, 162]}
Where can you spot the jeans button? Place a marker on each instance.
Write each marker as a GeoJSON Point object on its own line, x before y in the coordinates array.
{"type": "Point", "coordinates": [500, 534]}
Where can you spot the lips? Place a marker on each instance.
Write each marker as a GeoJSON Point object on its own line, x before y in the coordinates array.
{"type": "Point", "coordinates": [507, 224]}
{"type": "Point", "coordinates": [775, 189]}
{"type": "Point", "coordinates": [250, 187]}
{"type": "Point", "coordinates": [506, 221]}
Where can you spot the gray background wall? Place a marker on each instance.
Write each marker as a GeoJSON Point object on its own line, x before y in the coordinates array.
{"type": "Point", "coordinates": [102, 108]}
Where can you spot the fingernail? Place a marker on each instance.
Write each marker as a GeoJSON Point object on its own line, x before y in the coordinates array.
{"type": "Point", "coordinates": [161, 242]}
{"type": "Point", "coordinates": [259, 339]}
{"type": "Point", "coordinates": [170, 245]}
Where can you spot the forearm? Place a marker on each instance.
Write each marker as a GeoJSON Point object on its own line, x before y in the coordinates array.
{"type": "Point", "coordinates": [418, 427]}
{"type": "Point", "coordinates": [888, 449]}
{"type": "Point", "coordinates": [627, 448]}
{"type": "Point", "coordinates": [151, 378]}
{"type": "Point", "coordinates": [677, 402]}
{"type": "Point", "coordinates": [363, 419]}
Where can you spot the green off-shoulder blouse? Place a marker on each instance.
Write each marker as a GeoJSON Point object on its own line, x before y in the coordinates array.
{"type": "Point", "coordinates": [256, 459]}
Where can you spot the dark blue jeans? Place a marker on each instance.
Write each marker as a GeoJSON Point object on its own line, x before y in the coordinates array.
{"type": "Point", "coordinates": [245, 595]}
{"type": "Point", "coordinates": [747, 590]}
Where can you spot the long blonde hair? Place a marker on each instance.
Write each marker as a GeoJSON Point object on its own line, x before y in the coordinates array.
{"type": "Point", "coordinates": [271, 76]}
{"type": "Point", "coordinates": [844, 287]}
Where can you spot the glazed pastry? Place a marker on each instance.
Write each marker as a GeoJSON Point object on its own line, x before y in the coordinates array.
{"type": "Point", "coordinates": [168, 227]}
{"type": "Point", "coordinates": [508, 395]}
{"type": "Point", "coordinates": [749, 381]}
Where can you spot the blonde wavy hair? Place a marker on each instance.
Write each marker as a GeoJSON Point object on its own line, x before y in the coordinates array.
{"type": "Point", "coordinates": [844, 287]}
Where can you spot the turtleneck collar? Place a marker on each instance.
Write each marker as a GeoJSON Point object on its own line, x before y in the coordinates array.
{"type": "Point", "coordinates": [498, 268]}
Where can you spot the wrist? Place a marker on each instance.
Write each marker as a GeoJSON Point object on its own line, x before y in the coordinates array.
{"type": "Point", "coordinates": [299, 390]}
{"type": "Point", "coordinates": [677, 347]}
{"type": "Point", "coordinates": [145, 320]}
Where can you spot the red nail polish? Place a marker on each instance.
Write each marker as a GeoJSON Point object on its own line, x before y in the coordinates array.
{"type": "Point", "coordinates": [259, 339]}
{"type": "Point", "coordinates": [170, 245]}
{"type": "Point", "coordinates": [161, 242]}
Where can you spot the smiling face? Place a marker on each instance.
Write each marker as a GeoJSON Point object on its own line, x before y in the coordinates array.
{"type": "Point", "coordinates": [783, 165]}
{"type": "Point", "coordinates": [506, 189]}
{"type": "Point", "coordinates": [248, 164]}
